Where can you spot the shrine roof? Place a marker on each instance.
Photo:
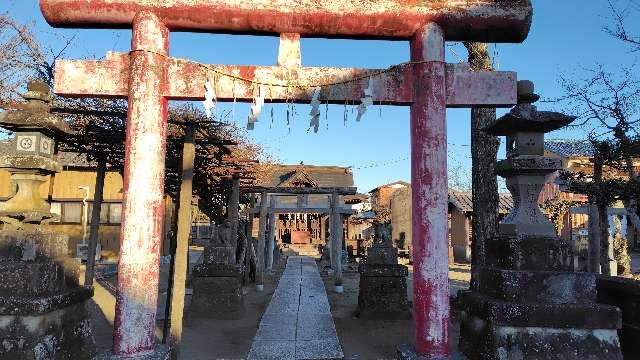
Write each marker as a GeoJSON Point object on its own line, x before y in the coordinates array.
{"type": "Point", "coordinates": [308, 175]}
{"type": "Point", "coordinates": [569, 147]}
{"type": "Point", "coordinates": [463, 202]}
{"type": "Point", "coordinates": [355, 199]}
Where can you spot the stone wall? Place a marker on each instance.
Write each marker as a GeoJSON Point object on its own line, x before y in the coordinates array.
{"type": "Point", "coordinates": [401, 215]}
{"type": "Point", "coordinates": [625, 294]}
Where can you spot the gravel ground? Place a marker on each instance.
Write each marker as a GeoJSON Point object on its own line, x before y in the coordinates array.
{"type": "Point", "coordinates": [231, 339]}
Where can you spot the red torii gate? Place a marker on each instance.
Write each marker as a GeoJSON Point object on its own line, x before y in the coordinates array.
{"type": "Point", "coordinates": [149, 78]}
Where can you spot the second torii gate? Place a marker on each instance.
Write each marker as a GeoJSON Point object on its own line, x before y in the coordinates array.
{"type": "Point", "coordinates": [148, 77]}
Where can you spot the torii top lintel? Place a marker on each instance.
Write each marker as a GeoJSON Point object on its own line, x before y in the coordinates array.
{"type": "Point", "coordinates": [461, 20]}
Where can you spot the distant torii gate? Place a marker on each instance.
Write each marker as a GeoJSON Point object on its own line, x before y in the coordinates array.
{"type": "Point", "coordinates": [335, 222]}
{"type": "Point", "coordinates": [149, 78]}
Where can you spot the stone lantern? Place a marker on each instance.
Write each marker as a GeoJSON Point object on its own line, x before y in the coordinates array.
{"type": "Point", "coordinates": [30, 157]}
{"type": "Point", "coordinates": [529, 303]}
{"type": "Point", "coordinates": [42, 306]}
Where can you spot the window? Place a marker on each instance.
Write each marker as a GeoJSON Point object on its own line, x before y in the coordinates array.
{"type": "Point", "coordinates": [72, 212]}
{"type": "Point", "coordinates": [56, 208]}
{"type": "Point", "coordinates": [203, 231]}
{"type": "Point", "coordinates": [115, 211]}
{"type": "Point", "coordinates": [104, 213]}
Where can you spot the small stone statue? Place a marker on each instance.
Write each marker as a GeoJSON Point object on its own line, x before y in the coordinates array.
{"type": "Point", "coordinates": [222, 246]}
{"type": "Point", "coordinates": [382, 251]}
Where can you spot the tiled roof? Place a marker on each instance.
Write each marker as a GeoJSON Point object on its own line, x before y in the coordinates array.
{"type": "Point", "coordinates": [365, 215]}
{"type": "Point", "coordinates": [322, 176]}
{"type": "Point", "coordinates": [399, 182]}
{"type": "Point", "coordinates": [569, 147]}
{"type": "Point", "coordinates": [75, 160]}
{"type": "Point", "coordinates": [64, 158]}
{"type": "Point", "coordinates": [463, 202]}
{"type": "Point", "coordinates": [355, 199]}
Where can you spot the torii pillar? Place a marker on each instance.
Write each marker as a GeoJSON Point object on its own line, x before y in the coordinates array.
{"type": "Point", "coordinates": [429, 86]}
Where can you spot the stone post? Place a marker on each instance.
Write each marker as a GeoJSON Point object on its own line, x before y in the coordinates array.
{"type": "Point", "coordinates": [261, 243]}
{"type": "Point", "coordinates": [181, 255]}
{"type": "Point", "coordinates": [101, 172]}
{"type": "Point", "coordinates": [143, 200]}
{"type": "Point", "coordinates": [593, 249]}
{"type": "Point", "coordinates": [429, 195]}
{"type": "Point", "coordinates": [233, 214]}
{"type": "Point", "coordinates": [272, 232]}
{"type": "Point", "coordinates": [335, 221]}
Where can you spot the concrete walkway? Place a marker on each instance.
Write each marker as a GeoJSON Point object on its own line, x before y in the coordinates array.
{"type": "Point", "coordinates": [297, 323]}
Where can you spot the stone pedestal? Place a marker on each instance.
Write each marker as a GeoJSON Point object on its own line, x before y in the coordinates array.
{"type": "Point", "coordinates": [217, 284]}
{"type": "Point", "coordinates": [160, 352]}
{"type": "Point", "coordinates": [383, 292]}
{"type": "Point", "coordinates": [383, 282]}
{"type": "Point", "coordinates": [42, 307]}
{"type": "Point", "coordinates": [531, 305]}
{"type": "Point", "coordinates": [217, 291]}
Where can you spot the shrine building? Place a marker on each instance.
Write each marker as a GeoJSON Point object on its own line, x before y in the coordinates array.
{"type": "Point", "coordinates": [306, 225]}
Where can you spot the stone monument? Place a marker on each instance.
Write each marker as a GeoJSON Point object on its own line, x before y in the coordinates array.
{"type": "Point", "coordinates": [217, 281]}
{"type": "Point", "coordinates": [383, 282]}
{"type": "Point", "coordinates": [530, 304]}
{"type": "Point", "coordinates": [42, 305]}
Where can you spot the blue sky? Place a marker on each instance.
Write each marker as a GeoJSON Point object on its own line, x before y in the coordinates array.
{"type": "Point", "coordinates": [565, 37]}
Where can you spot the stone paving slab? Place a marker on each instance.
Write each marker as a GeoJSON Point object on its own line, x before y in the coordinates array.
{"type": "Point", "coordinates": [297, 323]}
{"type": "Point", "coordinates": [315, 327]}
{"type": "Point", "coordinates": [277, 327]}
{"type": "Point", "coordinates": [272, 350]}
{"type": "Point", "coordinates": [319, 349]}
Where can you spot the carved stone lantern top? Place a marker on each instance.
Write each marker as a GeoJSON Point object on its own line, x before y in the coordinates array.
{"type": "Point", "coordinates": [525, 126]}
{"type": "Point", "coordinates": [526, 169]}
{"type": "Point", "coordinates": [35, 132]}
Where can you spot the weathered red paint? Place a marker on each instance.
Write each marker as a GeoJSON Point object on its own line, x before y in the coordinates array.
{"type": "Point", "coordinates": [429, 195]}
{"type": "Point", "coordinates": [464, 87]}
{"type": "Point", "coordinates": [143, 205]}
{"type": "Point", "coordinates": [469, 20]}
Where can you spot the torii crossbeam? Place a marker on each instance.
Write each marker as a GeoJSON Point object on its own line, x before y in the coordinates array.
{"type": "Point", "coordinates": [149, 78]}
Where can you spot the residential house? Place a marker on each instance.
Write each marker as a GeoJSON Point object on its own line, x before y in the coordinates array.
{"type": "Point", "coordinates": [70, 193]}
{"type": "Point", "coordinates": [460, 217]}
{"type": "Point", "coordinates": [381, 195]}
